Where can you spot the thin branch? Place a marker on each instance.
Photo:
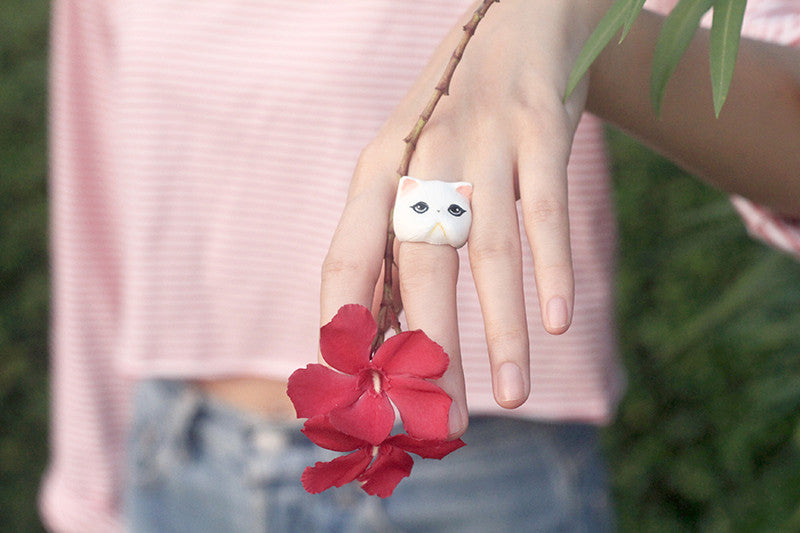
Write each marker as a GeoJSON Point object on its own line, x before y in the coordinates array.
{"type": "Point", "coordinates": [390, 307]}
{"type": "Point", "coordinates": [443, 87]}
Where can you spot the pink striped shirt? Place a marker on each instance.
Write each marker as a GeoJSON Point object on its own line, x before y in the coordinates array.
{"type": "Point", "coordinates": [200, 156]}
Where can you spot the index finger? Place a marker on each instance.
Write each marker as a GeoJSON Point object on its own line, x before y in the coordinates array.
{"type": "Point", "coordinates": [353, 263]}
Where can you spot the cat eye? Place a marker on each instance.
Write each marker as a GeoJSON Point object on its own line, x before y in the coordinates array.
{"type": "Point", "coordinates": [420, 207]}
{"type": "Point", "coordinates": [456, 210]}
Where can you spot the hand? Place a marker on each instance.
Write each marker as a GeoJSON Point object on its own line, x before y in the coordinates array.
{"type": "Point", "coordinates": [505, 129]}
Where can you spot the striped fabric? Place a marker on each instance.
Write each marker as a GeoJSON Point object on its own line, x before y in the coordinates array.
{"type": "Point", "coordinates": [200, 156]}
{"type": "Point", "coordinates": [781, 233]}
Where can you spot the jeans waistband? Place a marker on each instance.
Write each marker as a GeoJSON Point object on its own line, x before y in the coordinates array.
{"type": "Point", "coordinates": [185, 411]}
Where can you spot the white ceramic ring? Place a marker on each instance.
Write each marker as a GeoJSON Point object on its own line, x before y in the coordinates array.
{"type": "Point", "coordinates": [436, 212]}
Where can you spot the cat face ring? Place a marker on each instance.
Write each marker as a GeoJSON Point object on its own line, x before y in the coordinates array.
{"type": "Point", "coordinates": [436, 212]}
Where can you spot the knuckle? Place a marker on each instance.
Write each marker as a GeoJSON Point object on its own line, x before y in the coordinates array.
{"type": "Point", "coordinates": [544, 210]}
{"type": "Point", "coordinates": [537, 102]}
{"type": "Point", "coordinates": [334, 268]}
{"type": "Point", "coordinates": [370, 154]}
{"type": "Point", "coordinates": [437, 150]}
{"type": "Point", "coordinates": [373, 171]}
{"type": "Point", "coordinates": [555, 269]}
{"type": "Point", "coordinates": [534, 104]}
{"type": "Point", "coordinates": [546, 124]}
{"type": "Point", "coordinates": [416, 281]}
{"type": "Point", "coordinates": [491, 250]}
{"type": "Point", "coordinates": [502, 339]}
{"type": "Point", "coordinates": [556, 277]}
{"type": "Point", "coordinates": [418, 274]}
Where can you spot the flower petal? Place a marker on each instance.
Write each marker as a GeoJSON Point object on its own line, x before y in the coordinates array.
{"type": "Point", "coordinates": [427, 449]}
{"type": "Point", "coordinates": [340, 471]}
{"type": "Point", "coordinates": [411, 353]}
{"type": "Point", "coordinates": [321, 432]}
{"type": "Point", "coordinates": [316, 389]}
{"type": "Point", "coordinates": [423, 406]}
{"type": "Point", "coordinates": [369, 418]}
{"type": "Point", "coordinates": [346, 341]}
{"type": "Point", "coordinates": [389, 468]}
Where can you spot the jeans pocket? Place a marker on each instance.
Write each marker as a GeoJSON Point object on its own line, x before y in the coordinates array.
{"type": "Point", "coordinates": [160, 431]}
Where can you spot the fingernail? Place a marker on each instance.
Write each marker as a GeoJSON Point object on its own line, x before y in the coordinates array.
{"type": "Point", "coordinates": [510, 385]}
{"type": "Point", "coordinates": [557, 314]}
{"type": "Point", "coordinates": [455, 423]}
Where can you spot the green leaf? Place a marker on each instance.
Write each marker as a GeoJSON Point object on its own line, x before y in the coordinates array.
{"type": "Point", "coordinates": [635, 9]}
{"type": "Point", "coordinates": [726, 28]}
{"type": "Point", "coordinates": [674, 39]}
{"type": "Point", "coordinates": [618, 15]}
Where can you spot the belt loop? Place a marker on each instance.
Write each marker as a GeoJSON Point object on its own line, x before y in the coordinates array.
{"type": "Point", "coordinates": [178, 430]}
{"type": "Point", "coordinates": [270, 438]}
{"type": "Point", "coordinates": [268, 444]}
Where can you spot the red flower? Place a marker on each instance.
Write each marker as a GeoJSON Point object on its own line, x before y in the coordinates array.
{"type": "Point", "coordinates": [358, 398]}
{"type": "Point", "coordinates": [379, 468]}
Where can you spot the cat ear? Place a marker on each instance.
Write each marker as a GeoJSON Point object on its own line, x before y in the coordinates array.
{"type": "Point", "coordinates": [407, 184]}
{"type": "Point", "coordinates": [465, 190]}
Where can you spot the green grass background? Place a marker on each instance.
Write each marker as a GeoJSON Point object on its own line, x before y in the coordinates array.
{"type": "Point", "coordinates": [708, 436]}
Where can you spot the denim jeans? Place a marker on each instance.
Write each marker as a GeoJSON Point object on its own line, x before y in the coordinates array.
{"type": "Point", "coordinates": [196, 465]}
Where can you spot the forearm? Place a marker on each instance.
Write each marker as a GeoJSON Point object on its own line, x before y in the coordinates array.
{"type": "Point", "coordinates": [752, 149]}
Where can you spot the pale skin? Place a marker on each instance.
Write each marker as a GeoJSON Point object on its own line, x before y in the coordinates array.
{"type": "Point", "coordinates": [505, 129]}
{"type": "Point", "coordinates": [752, 149]}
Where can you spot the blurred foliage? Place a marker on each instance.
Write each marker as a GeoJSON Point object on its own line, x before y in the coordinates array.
{"type": "Point", "coordinates": [23, 260]}
{"type": "Point", "coordinates": [708, 436]}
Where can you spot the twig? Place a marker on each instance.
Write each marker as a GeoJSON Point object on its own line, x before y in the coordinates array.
{"type": "Point", "coordinates": [389, 307]}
